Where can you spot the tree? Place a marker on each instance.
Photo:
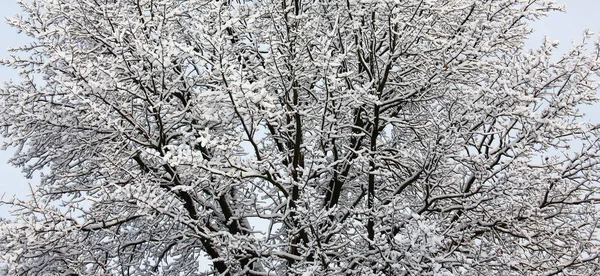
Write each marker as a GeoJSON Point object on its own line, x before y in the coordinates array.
{"type": "Point", "coordinates": [300, 137]}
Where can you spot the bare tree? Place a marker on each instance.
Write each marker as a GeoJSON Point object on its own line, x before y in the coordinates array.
{"type": "Point", "coordinates": [369, 137]}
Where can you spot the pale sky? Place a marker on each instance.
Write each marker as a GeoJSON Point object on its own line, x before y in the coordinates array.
{"type": "Point", "coordinates": [564, 27]}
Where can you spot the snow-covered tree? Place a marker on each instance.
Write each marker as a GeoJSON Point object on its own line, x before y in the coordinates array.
{"type": "Point", "coordinates": [370, 137]}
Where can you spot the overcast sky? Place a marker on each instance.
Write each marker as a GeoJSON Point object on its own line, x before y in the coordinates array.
{"type": "Point", "coordinates": [564, 27]}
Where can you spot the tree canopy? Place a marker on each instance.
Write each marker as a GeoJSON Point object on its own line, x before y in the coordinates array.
{"type": "Point", "coordinates": [370, 137]}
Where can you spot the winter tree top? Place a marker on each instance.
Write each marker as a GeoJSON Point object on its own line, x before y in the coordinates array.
{"type": "Point", "coordinates": [410, 137]}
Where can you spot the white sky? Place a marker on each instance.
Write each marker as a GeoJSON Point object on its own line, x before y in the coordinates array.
{"type": "Point", "coordinates": [564, 27]}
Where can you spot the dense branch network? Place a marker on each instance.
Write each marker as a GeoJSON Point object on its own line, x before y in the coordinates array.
{"type": "Point", "coordinates": [289, 137]}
